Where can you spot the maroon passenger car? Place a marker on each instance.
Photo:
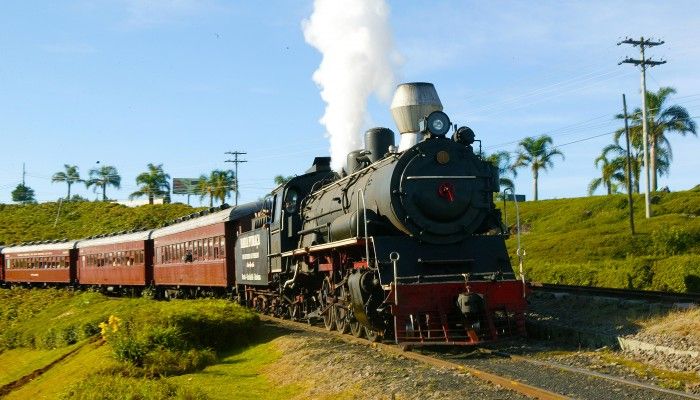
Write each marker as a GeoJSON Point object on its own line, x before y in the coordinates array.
{"type": "Point", "coordinates": [121, 260]}
{"type": "Point", "coordinates": [198, 253]}
{"type": "Point", "coordinates": [41, 263]}
{"type": "Point", "coordinates": [2, 267]}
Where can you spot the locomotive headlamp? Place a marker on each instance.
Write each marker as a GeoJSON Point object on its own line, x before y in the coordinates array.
{"type": "Point", "coordinates": [437, 123]}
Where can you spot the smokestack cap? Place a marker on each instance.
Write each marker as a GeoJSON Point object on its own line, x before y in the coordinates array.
{"type": "Point", "coordinates": [413, 102]}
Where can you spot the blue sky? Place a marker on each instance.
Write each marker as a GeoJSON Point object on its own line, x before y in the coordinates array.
{"type": "Point", "coordinates": [179, 82]}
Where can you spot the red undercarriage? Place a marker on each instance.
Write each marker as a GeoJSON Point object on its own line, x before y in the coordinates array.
{"type": "Point", "coordinates": [427, 313]}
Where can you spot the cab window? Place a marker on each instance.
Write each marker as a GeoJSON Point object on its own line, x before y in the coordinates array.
{"type": "Point", "coordinates": [290, 200]}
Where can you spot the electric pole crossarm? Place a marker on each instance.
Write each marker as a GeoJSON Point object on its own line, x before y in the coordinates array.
{"type": "Point", "coordinates": [647, 42]}
{"type": "Point", "coordinates": [650, 63]}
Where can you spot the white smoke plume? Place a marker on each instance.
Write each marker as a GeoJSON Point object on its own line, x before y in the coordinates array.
{"type": "Point", "coordinates": [355, 40]}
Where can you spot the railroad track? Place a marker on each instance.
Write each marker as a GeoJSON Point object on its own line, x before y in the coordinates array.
{"type": "Point", "coordinates": [531, 377]}
{"type": "Point", "coordinates": [630, 294]}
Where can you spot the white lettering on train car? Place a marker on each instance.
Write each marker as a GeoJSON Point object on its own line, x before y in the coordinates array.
{"type": "Point", "coordinates": [249, 256]}
{"type": "Point", "coordinates": [250, 241]}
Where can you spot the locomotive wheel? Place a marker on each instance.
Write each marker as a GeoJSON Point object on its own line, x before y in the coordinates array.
{"type": "Point", "coordinates": [329, 316]}
{"type": "Point", "coordinates": [356, 328]}
{"type": "Point", "coordinates": [341, 313]}
{"type": "Point", "coordinates": [373, 336]}
{"type": "Point", "coordinates": [260, 304]}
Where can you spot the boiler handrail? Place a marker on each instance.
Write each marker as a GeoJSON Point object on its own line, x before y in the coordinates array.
{"type": "Point", "coordinates": [361, 194]}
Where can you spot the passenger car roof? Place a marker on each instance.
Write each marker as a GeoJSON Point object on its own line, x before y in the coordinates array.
{"type": "Point", "coordinates": [124, 238]}
{"type": "Point", "coordinates": [214, 218]}
{"type": "Point", "coordinates": [40, 247]}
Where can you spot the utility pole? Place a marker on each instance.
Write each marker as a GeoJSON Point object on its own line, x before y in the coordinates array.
{"type": "Point", "coordinates": [236, 161]}
{"type": "Point", "coordinates": [23, 174]}
{"type": "Point", "coordinates": [629, 165]}
{"type": "Point", "coordinates": [642, 43]}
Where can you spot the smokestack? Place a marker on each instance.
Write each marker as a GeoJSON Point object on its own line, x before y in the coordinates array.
{"type": "Point", "coordinates": [412, 102]}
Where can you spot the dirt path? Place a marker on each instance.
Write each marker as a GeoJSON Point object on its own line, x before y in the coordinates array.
{"type": "Point", "coordinates": [332, 368]}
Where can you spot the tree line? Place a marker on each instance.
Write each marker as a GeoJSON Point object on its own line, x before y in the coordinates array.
{"type": "Point", "coordinates": [538, 153]}
{"type": "Point", "coordinates": [534, 153]}
{"type": "Point", "coordinates": [152, 183]}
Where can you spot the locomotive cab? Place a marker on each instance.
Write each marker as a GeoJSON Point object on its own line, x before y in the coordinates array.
{"type": "Point", "coordinates": [276, 226]}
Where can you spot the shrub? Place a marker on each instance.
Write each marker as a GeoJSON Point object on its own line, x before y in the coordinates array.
{"type": "Point", "coordinates": [163, 339]}
{"type": "Point", "coordinates": [671, 241]}
{"type": "Point", "coordinates": [677, 274]}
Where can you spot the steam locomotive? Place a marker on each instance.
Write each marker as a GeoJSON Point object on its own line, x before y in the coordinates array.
{"type": "Point", "coordinates": [406, 244]}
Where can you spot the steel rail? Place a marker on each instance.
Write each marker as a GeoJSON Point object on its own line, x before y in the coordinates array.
{"type": "Point", "coordinates": [649, 295]}
{"type": "Point", "coordinates": [508, 383]}
{"type": "Point", "coordinates": [552, 364]}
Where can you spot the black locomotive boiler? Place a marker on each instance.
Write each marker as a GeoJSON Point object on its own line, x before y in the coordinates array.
{"type": "Point", "coordinates": [406, 244]}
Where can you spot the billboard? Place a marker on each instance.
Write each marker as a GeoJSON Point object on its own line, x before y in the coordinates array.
{"type": "Point", "coordinates": [185, 185]}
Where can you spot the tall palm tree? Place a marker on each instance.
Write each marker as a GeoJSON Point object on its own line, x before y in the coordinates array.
{"type": "Point", "coordinates": [154, 182]}
{"type": "Point", "coordinates": [102, 177]}
{"type": "Point", "coordinates": [218, 185]}
{"type": "Point", "coordinates": [661, 120]}
{"type": "Point", "coordinates": [70, 176]}
{"type": "Point", "coordinates": [537, 154]}
{"type": "Point", "coordinates": [501, 160]}
{"type": "Point", "coordinates": [612, 174]}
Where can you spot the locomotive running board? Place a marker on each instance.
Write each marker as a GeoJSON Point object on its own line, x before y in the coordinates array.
{"type": "Point", "coordinates": [324, 246]}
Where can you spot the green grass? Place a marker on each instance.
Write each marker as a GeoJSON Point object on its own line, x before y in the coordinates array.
{"type": "Point", "coordinates": [587, 241]}
{"type": "Point", "coordinates": [18, 363]}
{"type": "Point", "coordinates": [30, 222]}
{"type": "Point", "coordinates": [241, 375]}
{"type": "Point", "coordinates": [74, 369]}
{"type": "Point", "coordinates": [145, 343]}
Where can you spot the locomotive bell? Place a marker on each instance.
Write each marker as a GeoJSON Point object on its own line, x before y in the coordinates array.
{"type": "Point", "coordinates": [412, 103]}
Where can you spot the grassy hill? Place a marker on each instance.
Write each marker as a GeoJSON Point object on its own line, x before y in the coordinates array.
{"type": "Point", "coordinates": [587, 241]}
{"type": "Point", "coordinates": [19, 223]}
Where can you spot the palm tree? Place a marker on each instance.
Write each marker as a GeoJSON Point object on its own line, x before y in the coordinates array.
{"type": "Point", "coordinates": [154, 182]}
{"type": "Point", "coordinates": [281, 179]}
{"type": "Point", "coordinates": [660, 121]}
{"type": "Point", "coordinates": [501, 160]}
{"type": "Point", "coordinates": [620, 158]}
{"type": "Point", "coordinates": [69, 176]}
{"type": "Point", "coordinates": [538, 155]}
{"type": "Point", "coordinates": [105, 176]}
{"type": "Point", "coordinates": [218, 185]}
{"type": "Point", "coordinates": [612, 174]}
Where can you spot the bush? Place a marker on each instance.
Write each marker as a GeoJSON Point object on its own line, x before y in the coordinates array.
{"type": "Point", "coordinates": [176, 337]}
{"type": "Point", "coordinates": [677, 274]}
{"type": "Point", "coordinates": [671, 241]}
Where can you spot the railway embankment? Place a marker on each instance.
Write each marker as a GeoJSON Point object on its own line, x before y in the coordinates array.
{"type": "Point", "coordinates": [653, 341]}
